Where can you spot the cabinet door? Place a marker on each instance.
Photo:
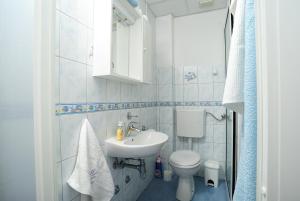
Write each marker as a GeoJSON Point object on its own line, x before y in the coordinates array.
{"type": "Point", "coordinates": [122, 50]}
{"type": "Point", "coordinates": [102, 37]}
{"type": "Point", "coordinates": [136, 50]}
{"type": "Point", "coordinates": [147, 51]}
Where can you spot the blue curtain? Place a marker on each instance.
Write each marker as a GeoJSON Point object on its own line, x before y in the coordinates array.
{"type": "Point", "coordinates": [246, 180]}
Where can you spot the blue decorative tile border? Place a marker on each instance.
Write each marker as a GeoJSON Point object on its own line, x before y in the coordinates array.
{"type": "Point", "coordinates": [76, 108]}
{"type": "Point", "coordinates": [199, 103]}
{"type": "Point", "coordinates": [63, 109]}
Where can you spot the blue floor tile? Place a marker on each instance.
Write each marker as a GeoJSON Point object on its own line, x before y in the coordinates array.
{"type": "Point", "coordinates": [158, 190]}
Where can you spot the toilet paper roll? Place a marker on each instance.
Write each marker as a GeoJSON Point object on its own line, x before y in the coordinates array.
{"type": "Point", "coordinates": [167, 175]}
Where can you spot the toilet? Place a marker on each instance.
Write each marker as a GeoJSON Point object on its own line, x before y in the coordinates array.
{"type": "Point", "coordinates": [186, 163]}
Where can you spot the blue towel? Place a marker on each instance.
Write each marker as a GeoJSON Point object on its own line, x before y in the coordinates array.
{"type": "Point", "coordinates": [134, 3]}
{"type": "Point", "coordinates": [246, 180]}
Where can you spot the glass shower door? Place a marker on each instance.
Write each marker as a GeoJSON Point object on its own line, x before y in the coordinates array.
{"type": "Point", "coordinates": [229, 152]}
{"type": "Point", "coordinates": [229, 165]}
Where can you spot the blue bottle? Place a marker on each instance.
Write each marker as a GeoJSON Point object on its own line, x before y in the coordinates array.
{"type": "Point", "coordinates": [158, 168]}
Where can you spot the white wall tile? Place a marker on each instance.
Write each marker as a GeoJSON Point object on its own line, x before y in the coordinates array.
{"type": "Point", "coordinates": [219, 152]}
{"type": "Point", "coordinates": [206, 92]}
{"type": "Point", "coordinates": [125, 93]}
{"type": "Point", "coordinates": [190, 92]}
{"type": "Point", "coordinates": [165, 93]}
{"type": "Point", "coordinates": [164, 41]}
{"type": "Point", "coordinates": [113, 91]}
{"type": "Point", "coordinates": [112, 118]}
{"type": "Point", "coordinates": [82, 10]}
{"type": "Point", "coordinates": [99, 123]}
{"type": "Point", "coordinates": [146, 92]}
{"type": "Point", "coordinates": [219, 133]}
{"type": "Point", "coordinates": [72, 82]}
{"type": "Point", "coordinates": [73, 39]}
{"type": "Point", "coordinates": [70, 130]}
{"type": "Point", "coordinates": [165, 75]}
{"type": "Point", "coordinates": [166, 115]}
{"type": "Point", "coordinates": [135, 92]}
{"type": "Point", "coordinates": [167, 129]}
{"type": "Point", "coordinates": [220, 70]}
{"type": "Point", "coordinates": [206, 150]}
{"type": "Point", "coordinates": [178, 93]}
{"type": "Point", "coordinates": [90, 47]}
{"type": "Point", "coordinates": [56, 79]}
{"type": "Point", "coordinates": [209, 118]}
{"type": "Point", "coordinates": [205, 73]}
{"type": "Point", "coordinates": [96, 87]}
{"type": "Point", "coordinates": [209, 134]}
{"type": "Point", "coordinates": [59, 181]}
{"type": "Point", "coordinates": [178, 75]}
{"type": "Point", "coordinates": [56, 132]}
{"type": "Point", "coordinates": [67, 169]}
{"type": "Point", "coordinates": [218, 91]}
{"type": "Point", "coordinates": [57, 33]}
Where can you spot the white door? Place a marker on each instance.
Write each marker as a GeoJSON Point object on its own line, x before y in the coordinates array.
{"type": "Point", "coordinates": [17, 165]}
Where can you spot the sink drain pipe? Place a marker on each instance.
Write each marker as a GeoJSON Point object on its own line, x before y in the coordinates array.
{"type": "Point", "coordinates": [133, 163]}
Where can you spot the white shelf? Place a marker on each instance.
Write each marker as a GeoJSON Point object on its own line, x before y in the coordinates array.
{"type": "Point", "coordinates": [118, 77]}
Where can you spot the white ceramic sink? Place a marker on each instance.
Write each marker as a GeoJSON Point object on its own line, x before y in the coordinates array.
{"type": "Point", "coordinates": [145, 143]}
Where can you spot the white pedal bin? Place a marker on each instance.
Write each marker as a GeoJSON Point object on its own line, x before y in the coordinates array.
{"type": "Point", "coordinates": [211, 173]}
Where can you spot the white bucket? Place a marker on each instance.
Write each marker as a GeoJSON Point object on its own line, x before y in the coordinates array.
{"type": "Point", "coordinates": [167, 175]}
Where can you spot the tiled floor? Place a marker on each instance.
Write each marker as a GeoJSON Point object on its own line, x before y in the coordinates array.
{"type": "Point", "coordinates": [158, 190]}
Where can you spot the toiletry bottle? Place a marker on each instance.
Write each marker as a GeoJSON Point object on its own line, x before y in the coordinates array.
{"type": "Point", "coordinates": [158, 168]}
{"type": "Point", "coordinates": [120, 131]}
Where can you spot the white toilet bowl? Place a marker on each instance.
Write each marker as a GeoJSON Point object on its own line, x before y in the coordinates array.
{"type": "Point", "coordinates": [185, 164]}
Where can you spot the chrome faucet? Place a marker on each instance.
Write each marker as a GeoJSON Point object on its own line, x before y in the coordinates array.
{"type": "Point", "coordinates": [131, 128]}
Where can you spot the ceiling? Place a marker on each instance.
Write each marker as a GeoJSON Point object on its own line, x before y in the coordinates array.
{"type": "Point", "coordinates": [184, 7]}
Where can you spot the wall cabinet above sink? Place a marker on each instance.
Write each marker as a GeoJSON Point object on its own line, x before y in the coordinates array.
{"type": "Point", "coordinates": [122, 42]}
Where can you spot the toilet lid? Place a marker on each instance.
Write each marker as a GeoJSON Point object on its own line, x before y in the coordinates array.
{"type": "Point", "coordinates": [185, 158]}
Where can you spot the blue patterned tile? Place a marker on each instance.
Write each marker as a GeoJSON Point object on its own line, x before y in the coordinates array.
{"type": "Point", "coordinates": [73, 108]}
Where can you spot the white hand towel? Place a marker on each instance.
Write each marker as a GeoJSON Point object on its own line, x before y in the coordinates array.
{"type": "Point", "coordinates": [91, 175]}
{"type": "Point", "coordinates": [234, 88]}
{"type": "Point", "coordinates": [232, 7]}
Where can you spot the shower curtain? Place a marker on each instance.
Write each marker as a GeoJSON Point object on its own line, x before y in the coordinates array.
{"type": "Point", "coordinates": [246, 180]}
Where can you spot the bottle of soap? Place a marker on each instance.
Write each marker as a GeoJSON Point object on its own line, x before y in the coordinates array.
{"type": "Point", "coordinates": [120, 131]}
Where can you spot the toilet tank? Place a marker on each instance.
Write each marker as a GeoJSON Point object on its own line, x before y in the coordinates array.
{"type": "Point", "coordinates": [190, 123]}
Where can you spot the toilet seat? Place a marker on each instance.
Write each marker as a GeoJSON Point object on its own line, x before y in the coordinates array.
{"type": "Point", "coordinates": [185, 159]}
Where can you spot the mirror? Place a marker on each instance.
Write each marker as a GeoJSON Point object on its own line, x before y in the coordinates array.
{"type": "Point", "coordinates": [120, 43]}
{"type": "Point", "coordinates": [120, 46]}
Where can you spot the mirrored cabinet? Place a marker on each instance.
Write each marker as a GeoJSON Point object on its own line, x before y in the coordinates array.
{"type": "Point", "coordinates": [122, 42]}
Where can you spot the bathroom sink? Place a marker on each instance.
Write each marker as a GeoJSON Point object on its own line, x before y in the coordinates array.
{"type": "Point", "coordinates": [145, 143]}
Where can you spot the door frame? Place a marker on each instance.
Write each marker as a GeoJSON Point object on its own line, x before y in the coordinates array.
{"type": "Point", "coordinates": [43, 100]}
{"type": "Point", "coordinates": [268, 100]}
